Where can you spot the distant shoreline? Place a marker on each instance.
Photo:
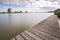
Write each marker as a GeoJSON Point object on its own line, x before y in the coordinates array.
{"type": "Point", "coordinates": [23, 12]}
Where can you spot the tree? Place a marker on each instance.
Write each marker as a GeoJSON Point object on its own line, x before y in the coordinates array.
{"type": "Point", "coordinates": [20, 11]}
{"type": "Point", "coordinates": [57, 12]}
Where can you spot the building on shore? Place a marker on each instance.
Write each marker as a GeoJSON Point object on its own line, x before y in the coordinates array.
{"type": "Point", "coordinates": [9, 10]}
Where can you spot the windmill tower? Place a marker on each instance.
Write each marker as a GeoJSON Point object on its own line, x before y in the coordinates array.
{"type": "Point", "coordinates": [9, 10]}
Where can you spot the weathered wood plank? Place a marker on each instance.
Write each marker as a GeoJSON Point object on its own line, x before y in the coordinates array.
{"type": "Point", "coordinates": [33, 36]}
{"type": "Point", "coordinates": [26, 36]}
{"type": "Point", "coordinates": [19, 37]}
{"type": "Point", "coordinates": [41, 34]}
{"type": "Point", "coordinates": [13, 39]}
{"type": "Point", "coordinates": [44, 34]}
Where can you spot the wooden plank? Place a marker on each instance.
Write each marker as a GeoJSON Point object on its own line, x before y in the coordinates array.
{"type": "Point", "coordinates": [33, 36]}
{"type": "Point", "coordinates": [42, 34]}
{"type": "Point", "coordinates": [13, 39]}
{"type": "Point", "coordinates": [19, 37]}
{"type": "Point", "coordinates": [55, 34]}
{"type": "Point", "coordinates": [26, 36]}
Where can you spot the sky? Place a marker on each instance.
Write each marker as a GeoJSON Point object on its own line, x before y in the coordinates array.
{"type": "Point", "coordinates": [30, 5]}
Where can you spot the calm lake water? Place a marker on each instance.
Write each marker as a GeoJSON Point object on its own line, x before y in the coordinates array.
{"type": "Point", "coordinates": [10, 24]}
{"type": "Point", "coordinates": [20, 18]}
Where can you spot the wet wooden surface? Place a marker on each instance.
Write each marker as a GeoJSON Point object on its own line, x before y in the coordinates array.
{"type": "Point", "coordinates": [45, 30]}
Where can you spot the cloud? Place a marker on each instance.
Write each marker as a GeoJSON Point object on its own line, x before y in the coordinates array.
{"type": "Point", "coordinates": [47, 8]}
{"type": "Point", "coordinates": [34, 4]}
{"type": "Point", "coordinates": [11, 1]}
{"type": "Point", "coordinates": [46, 3]}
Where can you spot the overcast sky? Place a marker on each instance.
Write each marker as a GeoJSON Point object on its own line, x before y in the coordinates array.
{"type": "Point", "coordinates": [31, 4]}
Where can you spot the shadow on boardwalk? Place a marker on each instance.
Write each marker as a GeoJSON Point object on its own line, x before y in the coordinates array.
{"type": "Point", "coordinates": [45, 30]}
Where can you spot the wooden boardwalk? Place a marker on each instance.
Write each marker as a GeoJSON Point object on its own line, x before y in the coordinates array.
{"type": "Point", "coordinates": [45, 30]}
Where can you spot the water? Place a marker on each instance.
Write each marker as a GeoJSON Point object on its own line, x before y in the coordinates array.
{"type": "Point", "coordinates": [34, 18]}
{"type": "Point", "coordinates": [20, 18]}
{"type": "Point", "coordinates": [10, 23]}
